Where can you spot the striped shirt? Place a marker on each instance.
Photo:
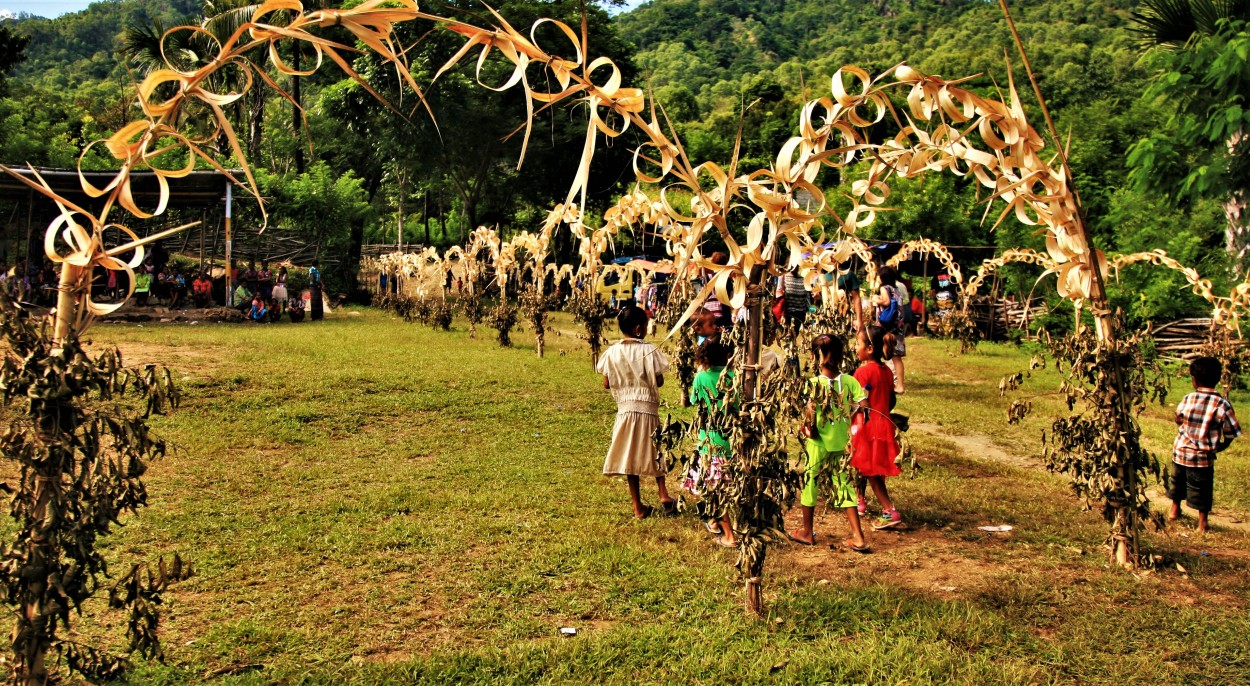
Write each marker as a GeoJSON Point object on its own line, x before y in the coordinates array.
{"type": "Point", "coordinates": [1206, 418]}
{"type": "Point", "coordinates": [797, 298]}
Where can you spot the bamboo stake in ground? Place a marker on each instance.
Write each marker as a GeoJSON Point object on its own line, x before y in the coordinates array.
{"type": "Point", "coordinates": [1125, 525]}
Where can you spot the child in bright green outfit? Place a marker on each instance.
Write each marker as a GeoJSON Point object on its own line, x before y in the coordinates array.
{"type": "Point", "coordinates": [711, 359]}
{"type": "Point", "coordinates": [828, 438]}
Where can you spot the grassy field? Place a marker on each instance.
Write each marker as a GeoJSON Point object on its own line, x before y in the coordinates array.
{"type": "Point", "coordinates": [368, 501]}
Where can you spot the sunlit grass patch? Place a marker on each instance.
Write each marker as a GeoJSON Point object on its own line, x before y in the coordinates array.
{"type": "Point", "coordinates": [371, 502]}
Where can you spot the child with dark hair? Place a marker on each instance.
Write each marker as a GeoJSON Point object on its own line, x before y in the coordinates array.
{"type": "Point", "coordinates": [711, 358]}
{"type": "Point", "coordinates": [835, 397]}
{"type": "Point", "coordinates": [703, 325]}
{"type": "Point", "coordinates": [874, 446]}
{"type": "Point", "coordinates": [889, 303]}
{"type": "Point", "coordinates": [1205, 425]}
{"type": "Point", "coordinates": [258, 312]}
{"type": "Point", "coordinates": [634, 371]}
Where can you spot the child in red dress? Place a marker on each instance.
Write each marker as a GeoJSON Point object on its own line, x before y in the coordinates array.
{"type": "Point", "coordinates": [874, 446]}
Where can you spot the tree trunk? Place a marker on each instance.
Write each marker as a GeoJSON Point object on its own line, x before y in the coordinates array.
{"type": "Point", "coordinates": [470, 215]}
{"type": "Point", "coordinates": [256, 125]}
{"type": "Point", "coordinates": [296, 120]}
{"type": "Point", "coordinates": [1237, 234]}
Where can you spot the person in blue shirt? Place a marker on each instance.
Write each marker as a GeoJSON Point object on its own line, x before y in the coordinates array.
{"type": "Point", "coordinates": [259, 312]}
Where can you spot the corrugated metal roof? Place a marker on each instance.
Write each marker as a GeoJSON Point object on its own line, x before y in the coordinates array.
{"type": "Point", "coordinates": [197, 189]}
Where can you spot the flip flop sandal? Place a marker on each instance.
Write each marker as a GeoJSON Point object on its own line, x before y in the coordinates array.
{"type": "Point", "coordinates": [647, 511]}
{"type": "Point", "coordinates": [712, 528]}
{"type": "Point", "coordinates": [721, 542]}
{"type": "Point", "coordinates": [801, 542]}
{"type": "Point", "coordinates": [669, 508]}
{"type": "Point", "coordinates": [861, 549]}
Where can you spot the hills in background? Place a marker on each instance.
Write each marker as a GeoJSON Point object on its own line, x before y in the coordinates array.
{"type": "Point", "coordinates": [81, 47]}
{"type": "Point", "coordinates": [715, 63]}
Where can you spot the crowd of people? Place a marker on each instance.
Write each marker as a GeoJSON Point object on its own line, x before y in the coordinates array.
{"type": "Point", "coordinates": [634, 371]}
{"type": "Point", "coordinates": [260, 294]}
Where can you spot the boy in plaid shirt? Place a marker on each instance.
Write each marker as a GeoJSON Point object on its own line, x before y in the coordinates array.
{"type": "Point", "coordinates": [1206, 425]}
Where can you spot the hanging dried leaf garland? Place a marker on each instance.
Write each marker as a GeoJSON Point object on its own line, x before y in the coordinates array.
{"type": "Point", "coordinates": [924, 246]}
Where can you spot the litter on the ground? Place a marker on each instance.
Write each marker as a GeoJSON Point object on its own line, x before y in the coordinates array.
{"type": "Point", "coordinates": [568, 631]}
{"type": "Point", "coordinates": [1001, 528]}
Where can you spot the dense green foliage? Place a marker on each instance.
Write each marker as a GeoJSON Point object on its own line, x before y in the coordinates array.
{"type": "Point", "coordinates": [708, 59]}
{"type": "Point", "coordinates": [1202, 151]}
{"type": "Point", "coordinates": [714, 65]}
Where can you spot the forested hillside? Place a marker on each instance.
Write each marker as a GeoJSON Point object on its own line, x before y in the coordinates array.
{"type": "Point", "coordinates": [82, 47]}
{"type": "Point", "coordinates": [709, 63]}
{"type": "Point", "coordinates": [707, 59]}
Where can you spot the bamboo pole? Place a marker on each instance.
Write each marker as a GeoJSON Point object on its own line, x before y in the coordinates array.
{"type": "Point", "coordinates": [1124, 541]}
{"type": "Point", "coordinates": [753, 590]}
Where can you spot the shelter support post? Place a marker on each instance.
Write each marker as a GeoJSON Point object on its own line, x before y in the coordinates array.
{"type": "Point", "coordinates": [229, 246]}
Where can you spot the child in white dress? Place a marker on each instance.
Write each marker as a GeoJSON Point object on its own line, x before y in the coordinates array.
{"type": "Point", "coordinates": [634, 371]}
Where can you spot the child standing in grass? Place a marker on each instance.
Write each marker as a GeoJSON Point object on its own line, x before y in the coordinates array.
{"type": "Point", "coordinates": [1205, 425]}
{"type": "Point", "coordinates": [827, 438]}
{"type": "Point", "coordinates": [711, 358]}
{"type": "Point", "coordinates": [634, 371]}
{"type": "Point", "coordinates": [874, 446]}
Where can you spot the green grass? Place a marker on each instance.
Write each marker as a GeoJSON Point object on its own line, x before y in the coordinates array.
{"type": "Point", "coordinates": [369, 502]}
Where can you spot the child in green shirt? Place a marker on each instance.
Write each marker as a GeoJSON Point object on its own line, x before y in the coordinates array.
{"type": "Point", "coordinates": [835, 398]}
{"type": "Point", "coordinates": [711, 359]}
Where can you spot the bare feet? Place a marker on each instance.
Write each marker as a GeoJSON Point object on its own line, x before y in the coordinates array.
{"type": "Point", "coordinates": [1175, 513]}
{"type": "Point", "coordinates": [856, 545]}
{"type": "Point", "coordinates": [804, 536]}
{"type": "Point", "coordinates": [726, 541]}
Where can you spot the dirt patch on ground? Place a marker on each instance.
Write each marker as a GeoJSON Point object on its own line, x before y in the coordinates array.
{"type": "Point", "coordinates": [922, 559]}
{"type": "Point", "coordinates": [1219, 518]}
{"type": "Point", "coordinates": [179, 359]}
{"type": "Point", "coordinates": [978, 446]}
{"type": "Point", "coordinates": [981, 447]}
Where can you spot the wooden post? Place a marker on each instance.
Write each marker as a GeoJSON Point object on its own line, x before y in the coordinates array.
{"type": "Point", "coordinates": [203, 226]}
{"type": "Point", "coordinates": [923, 323]}
{"type": "Point", "coordinates": [30, 213]}
{"type": "Point", "coordinates": [229, 245]}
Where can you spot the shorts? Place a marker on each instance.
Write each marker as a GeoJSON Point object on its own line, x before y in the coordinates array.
{"type": "Point", "coordinates": [842, 494]}
{"type": "Point", "coordinates": [1193, 485]}
{"type": "Point", "coordinates": [900, 345]}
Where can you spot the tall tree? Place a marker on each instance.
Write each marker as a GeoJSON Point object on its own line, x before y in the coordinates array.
{"type": "Point", "coordinates": [1202, 78]}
